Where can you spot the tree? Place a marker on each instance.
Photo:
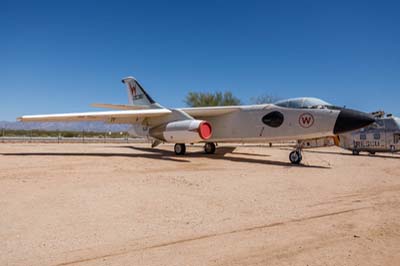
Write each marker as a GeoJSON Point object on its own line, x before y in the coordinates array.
{"type": "Point", "coordinates": [198, 99]}
{"type": "Point", "coordinates": [264, 98]}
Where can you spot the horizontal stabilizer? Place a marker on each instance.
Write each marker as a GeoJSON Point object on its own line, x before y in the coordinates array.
{"type": "Point", "coordinates": [119, 106]}
{"type": "Point", "coordinates": [209, 111]}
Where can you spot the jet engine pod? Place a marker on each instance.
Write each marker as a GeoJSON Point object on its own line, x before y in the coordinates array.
{"type": "Point", "coordinates": [185, 131]}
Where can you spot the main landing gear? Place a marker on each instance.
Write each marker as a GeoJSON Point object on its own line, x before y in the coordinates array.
{"type": "Point", "coordinates": [209, 148]}
{"type": "Point", "coordinates": [295, 156]}
{"type": "Point", "coordinates": [180, 148]}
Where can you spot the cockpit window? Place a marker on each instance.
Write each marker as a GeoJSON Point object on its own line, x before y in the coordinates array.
{"type": "Point", "coordinates": [301, 103]}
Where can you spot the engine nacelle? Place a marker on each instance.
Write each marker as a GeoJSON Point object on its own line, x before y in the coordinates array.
{"type": "Point", "coordinates": [185, 131]}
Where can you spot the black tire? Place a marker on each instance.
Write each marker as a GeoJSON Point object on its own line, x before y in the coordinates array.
{"type": "Point", "coordinates": [180, 149]}
{"type": "Point", "coordinates": [372, 152]}
{"type": "Point", "coordinates": [295, 157]}
{"type": "Point", "coordinates": [356, 152]}
{"type": "Point", "coordinates": [209, 148]}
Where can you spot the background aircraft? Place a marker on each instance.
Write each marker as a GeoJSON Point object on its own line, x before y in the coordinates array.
{"type": "Point", "coordinates": [381, 136]}
{"type": "Point", "coordinates": [301, 119]}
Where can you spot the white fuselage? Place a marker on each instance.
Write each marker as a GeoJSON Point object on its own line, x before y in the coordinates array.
{"type": "Point", "coordinates": [247, 124]}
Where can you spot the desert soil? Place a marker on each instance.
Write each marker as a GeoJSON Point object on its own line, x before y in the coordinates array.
{"type": "Point", "coordinates": [98, 204]}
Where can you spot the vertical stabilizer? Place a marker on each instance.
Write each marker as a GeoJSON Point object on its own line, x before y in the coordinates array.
{"type": "Point", "coordinates": [136, 93]}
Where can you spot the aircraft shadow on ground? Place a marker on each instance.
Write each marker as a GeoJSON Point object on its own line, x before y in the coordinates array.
{"type": "Point", "coordinates": [97, 154]}
{"type": "Point", "coordinates": [220, 155]}
{"type": "Point", "coordinates": [391, 156]}
{"type": "Point", "coordinates": [159, 154]}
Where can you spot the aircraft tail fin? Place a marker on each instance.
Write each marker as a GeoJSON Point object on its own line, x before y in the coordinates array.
{"type": "Point", "coordinates": [136, 93]}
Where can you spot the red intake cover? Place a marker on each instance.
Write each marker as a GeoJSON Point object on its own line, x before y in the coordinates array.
{"type": "Point", "coordinates": [205, 130]}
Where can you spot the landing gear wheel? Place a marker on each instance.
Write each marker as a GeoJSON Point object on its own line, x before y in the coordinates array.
{"type": "Point", "coordinates": [356, 152]}
{"type": "Point", "coordinates": [295, 157]}
{"type": "Point", "coordinates": [209, 148]}
{"type": "Point", "coordinates": [180, 149]}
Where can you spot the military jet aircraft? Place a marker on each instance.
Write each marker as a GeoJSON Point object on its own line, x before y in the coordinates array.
{"type": "Point", "coordinates": [381, 136]}
{"type": "Point", "coordinates": [211, 125]}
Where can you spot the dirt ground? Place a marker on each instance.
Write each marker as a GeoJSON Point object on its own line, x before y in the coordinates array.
{"type": "Point", "coordinates": [99, 204]}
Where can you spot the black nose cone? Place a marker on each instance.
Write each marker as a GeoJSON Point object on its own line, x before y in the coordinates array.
{"type": "Point", "coordinates": [349, 120]}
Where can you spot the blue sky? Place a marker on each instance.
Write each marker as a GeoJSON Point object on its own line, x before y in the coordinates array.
{"type": "Point", "coordinates": [60, 56]}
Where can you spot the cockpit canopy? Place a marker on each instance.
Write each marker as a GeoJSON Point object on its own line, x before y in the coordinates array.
{"type": "Point", "coordinates": [305, 102]}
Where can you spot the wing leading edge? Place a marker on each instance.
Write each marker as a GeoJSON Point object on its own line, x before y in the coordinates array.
{"type": "Point", "coordinates": [192, 111]}
{"type": "Point", "coordinates": [108, 116]}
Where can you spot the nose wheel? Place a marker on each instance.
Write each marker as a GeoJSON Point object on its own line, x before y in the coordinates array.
{"type": "Point", "coordinates": [295, 157]}
{"type": "Point", "coordinates": [209, 148]}
{"type": "Point", "coordinates": [180, 148]}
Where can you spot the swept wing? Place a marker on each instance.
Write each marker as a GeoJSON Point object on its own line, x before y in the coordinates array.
{"type": "Point", "coordinates": [130, 116]}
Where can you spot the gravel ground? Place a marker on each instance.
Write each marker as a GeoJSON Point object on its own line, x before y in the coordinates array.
{"type": "Point", "coordinates": [119, 204]}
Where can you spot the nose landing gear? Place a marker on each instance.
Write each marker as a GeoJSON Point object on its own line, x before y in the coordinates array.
{"type": "Point", "coordinates": [295, 157]}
